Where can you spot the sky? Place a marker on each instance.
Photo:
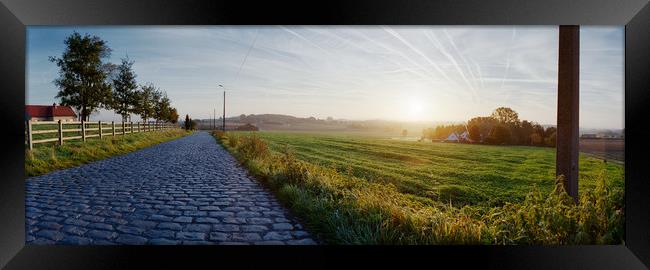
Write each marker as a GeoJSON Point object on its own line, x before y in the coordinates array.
{"type": "Point", "coordinates": [403, 73]}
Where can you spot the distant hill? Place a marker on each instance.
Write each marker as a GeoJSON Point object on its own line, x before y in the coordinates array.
{"type": "Point", "coordinates": [385, 127]}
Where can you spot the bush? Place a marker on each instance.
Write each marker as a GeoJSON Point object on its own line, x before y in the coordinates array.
{"type": "Point", "coordinates": [252, 147]}
{"type": "Point", "coordinates": [233, 140]}
{"type": "Point", "coordinates": [555, 219]}
{"type": "Point", "coordinates": [219, 134]}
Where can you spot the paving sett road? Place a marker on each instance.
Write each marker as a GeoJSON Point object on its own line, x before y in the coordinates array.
{"type": "Point", "coordinates": [186, 191]}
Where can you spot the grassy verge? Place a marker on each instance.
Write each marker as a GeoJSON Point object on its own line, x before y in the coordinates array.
{"type": "Point", "coordinates": [342, 208]}
{"type": "Point", "coordinates": [47, 158]}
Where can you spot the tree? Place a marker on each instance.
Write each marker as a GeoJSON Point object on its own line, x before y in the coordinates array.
{"type": "Point", "coordinates": [474, 133]}
{"type": "Point", "coordinates": [404, 132]}
{"type": "Point", "coordinates": [485, 125]}
{"type": "Point", "coordinates": [173, 116]}
{"type": "Point", "coordinates": [146, 100]}
{"type": "Point", "coordinates": [83, 73]}
{"type": "Point", "coordinates": [506, 116]}
{"type": "Point", "coordinates": [500, 134]}
{"type": "Point", "coordinates": [551, 137]}
{"type": "Point", "coordinates": [187, 122]}
{"type": "Point", "coordinates": [125, 100]}
{"type": "Point", "coordinates": [536, 139]}
{"type": "Point", "coordinates": [163, 107]}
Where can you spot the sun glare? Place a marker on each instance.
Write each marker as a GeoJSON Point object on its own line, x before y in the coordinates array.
{"type": "Point", "coordinates": [415, 109]}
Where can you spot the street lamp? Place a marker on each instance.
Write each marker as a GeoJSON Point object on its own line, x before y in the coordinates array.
{"type": "Point", "coordinates": [223, 127]}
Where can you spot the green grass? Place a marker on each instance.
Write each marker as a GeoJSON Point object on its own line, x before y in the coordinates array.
{"type": "Point", "coordinates": [464, 174]}
{"type": "Point", "coordinates": [368, 190]}
{"type": "Point", "coordinates": [45, 158]}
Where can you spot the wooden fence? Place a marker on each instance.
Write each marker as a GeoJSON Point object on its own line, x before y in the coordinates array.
{"type": "Point", "coordinates": [59, 131]}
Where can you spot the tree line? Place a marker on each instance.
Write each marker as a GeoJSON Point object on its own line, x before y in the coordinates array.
{"type": "Point", "coordinates": [87, 82]}
{"type": "Point", "coordinates": [503, 126]}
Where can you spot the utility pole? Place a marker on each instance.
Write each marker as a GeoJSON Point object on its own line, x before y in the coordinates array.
{"type": "Point", "coordinates": [214, 118]}
{"type": "Point", "coordinates": [224, 110]}
{"type": "Point", "coordinates": [566, 161]}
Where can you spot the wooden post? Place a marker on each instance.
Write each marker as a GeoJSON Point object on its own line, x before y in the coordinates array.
{"type": "Point", "coordinates": [138, 127]}
{"type": "Point", "coordinates": [83, 130]}
{"type": "Point", "coordinates": [113, 124]}
{"type": "Point", "coordinates": [566, 161]}
{"type": "Point", "coordinates": [60, 132]}
{"type": "Point", "coordinates": [29, 135]}
{"type": "Point", "coordinates": [131, 129]}
{"type": "Point", "coordinates": [100, 129]}
{"type": "Point", "coordinates": [123, 128]}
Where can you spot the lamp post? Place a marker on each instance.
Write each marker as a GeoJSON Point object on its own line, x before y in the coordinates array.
{"type": "Point", "coordinates": [223, 127]}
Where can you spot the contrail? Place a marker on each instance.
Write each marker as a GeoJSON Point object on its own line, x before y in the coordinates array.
{"type": "Point", "coordinates": [303, 38]}
{"type": "Point", "coordinates": [505, 75]}
{"type": "Point", "coordinates": [403, 56]}
{"type": "Point", "coordinates": [462, 57]}
{"type": "Point", "coordinates": [451, 58]}
{"type": "Point", "coordinates": [478, 70]}
{"type": "Point", "coordinates": [257, 32]}
{"type": "Point", "coordinates": [396, 35]}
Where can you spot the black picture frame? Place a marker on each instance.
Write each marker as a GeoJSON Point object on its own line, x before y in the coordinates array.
{"type": "Point", "coordinates": [15, 15]}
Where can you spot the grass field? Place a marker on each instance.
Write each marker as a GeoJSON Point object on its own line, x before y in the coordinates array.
{"type": "Point", "coordinates": [464, 174]}
{"type": "Point", "coordinates": [352, 189]}
{"type": "Point", "coordinates": [49, 157]}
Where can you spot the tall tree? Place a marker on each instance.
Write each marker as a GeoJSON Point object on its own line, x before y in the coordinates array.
{"type": "Point", "coordinates": [163, 107]}
{"type": "Point", "coordinates": [187, 122]}
{"type": "Point", "coordinates": [125, 100]}
{"type": "Point", "coordinates": [506, 116]}
{"type": "Point", "coordinates": [146, 99]}
{"type": "Point", "coordinates": [83, 73]}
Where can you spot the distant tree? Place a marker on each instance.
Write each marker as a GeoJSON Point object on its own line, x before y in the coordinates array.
{"type": "Point", "coordinates": [193, 124]}
{"type": "Point", "coordinates": [549, 131]}
{"type": "Point", "coordinates": [523, 132]}
{"type": "Point", "coordinates": [188, 125]}
{"type": "Point", "coordinates": [146, 100]}
{"type": "Point", "coordinates": [551, 136]}
{"type": "Point", "coordinates": [485, 125]}
{"type": "Point", "coordinates": [537, 128]}
{"type": "Point", "coordinates": [124, 100]}
{"type": "Point", "coordinates": [474, 133]}
{"type": "Point", "coordinates": [506, 116]}
{"type": "Point", "coordinates": [404, 132]}
{"type": "Point", "coordinates": [173, 116]}
{"type": "Point", "coordinates": [83, 74]}
{"type": "Point", "coordinates": [536, 139]}
{"type": "Point", "coordinates": [500, 134]}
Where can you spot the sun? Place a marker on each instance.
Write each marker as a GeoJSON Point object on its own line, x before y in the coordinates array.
{"type": "Point", "coordinates": [415, 108]}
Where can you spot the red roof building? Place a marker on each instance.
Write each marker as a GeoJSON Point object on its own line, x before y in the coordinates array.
{"type": "Point", "coordinates": [49, 113]}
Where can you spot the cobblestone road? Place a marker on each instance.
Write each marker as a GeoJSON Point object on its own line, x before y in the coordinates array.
{"type": "Point", "coordinates": [186, 191]}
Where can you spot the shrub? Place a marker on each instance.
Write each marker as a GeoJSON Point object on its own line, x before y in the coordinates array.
{"type": "Point", "coordinates": [233, 140]}
{"type": "Point", "coordinates": [252, 147]}
{"type": "Point", "coordinates": [219, 134]}
{"type": "Point", "coordinates": [294, 171]}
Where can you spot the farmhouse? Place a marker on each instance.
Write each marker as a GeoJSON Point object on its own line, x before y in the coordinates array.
{"type": "Point", "coordinates": [49, 113]}
{"type": "Point", "coordinates": [457, 137]}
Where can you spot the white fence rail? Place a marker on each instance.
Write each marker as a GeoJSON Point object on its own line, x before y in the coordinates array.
{"type": "Point", "coordinates": [42, 131]}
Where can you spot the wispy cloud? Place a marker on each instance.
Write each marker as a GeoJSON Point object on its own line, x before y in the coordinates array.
{"type": "Point", "coordinates": [368, 72]}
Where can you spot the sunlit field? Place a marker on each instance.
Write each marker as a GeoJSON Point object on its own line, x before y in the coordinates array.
{"type": "Point", "coordinates": [372, 190]}
{"type": "Point", "coordinates": [460, 173]}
